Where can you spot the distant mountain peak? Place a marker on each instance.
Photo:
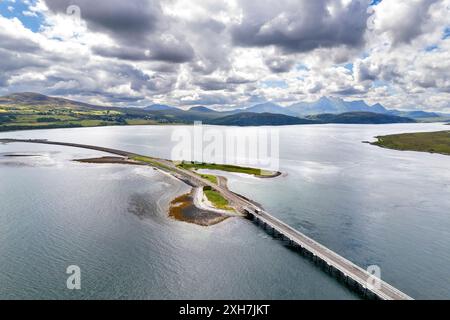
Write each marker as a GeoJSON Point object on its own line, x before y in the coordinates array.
{"type": "Point", "coordinates": [269, 103]}
{"type": "Point", "coordinates": [334, 105]}
{"type": "Point", "coordinates": [159, 107]}
{"type": "Point", "coordinates": [202, 109]}
{"type": "Point", "coordinates": [269, 107]}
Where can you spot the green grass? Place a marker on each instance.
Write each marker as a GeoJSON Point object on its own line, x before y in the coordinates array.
{"type": "Point", "coordinates": [59, 124]}
{"type": "Point", "coordinates": [209, 177]}
{"type": "Point", "coordinates": [220, 167]}
{"type": "Point", "coordinates": [152, 162]}
{"type": "Point", "coordinates": [48, 117]}
{"type": "Point", "coordinates": [93, 123]}
{"type": "Point", "coordinates": [140, 122]}
{"type": "Point", "coordinates": [434, 142]}
{"type": "Point", "coordinates": [216, 199]}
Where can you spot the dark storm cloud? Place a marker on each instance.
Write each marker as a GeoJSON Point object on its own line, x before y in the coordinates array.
{"type": "Point", "coordinates": [126, 19]}
{"type": "Point", "coordinates": [140, 29]}
{"type": "Point", "coordinates": [11, 61]}
{"type": "Point", "coordinates": [212, 45]}
{"type": "Point", "coordinates": [10, 43]}
{"type": "Point", "coordinates": [301, 25]}
{"type": "Point", "coordinates": [171, 50]}
{"type": "Point", "coordinates": [3, 81]}
{"type": "Point", "coordinates": [14, 42]}
{"type": "Point", "coordinates": [279, 64]}
{"type": "Point", "coordinates": [216, 84]}
{"type": "Point", "coordinates": [175, 52]}
{"type": "Point", "coordinates": [14, 62]}
{"type": "Point", "coordinates": [164, 67]}
{"type": "Point", "coordinates": [349, 91]}
{"type": "Point", "coordinates": [117, 52]}
{"type": "Point", "coordinates": [101, 78]}
{"type": "Point", "coordinates": [112, 98]}
{"type": "Point", "coordinates": [116, 98]}
{"type": "Point", "coordinates": [140, 81]}
{"type": "Point", "coordinates": [211, 85]}
{"type": "Point", "coordinates": [238, 80]}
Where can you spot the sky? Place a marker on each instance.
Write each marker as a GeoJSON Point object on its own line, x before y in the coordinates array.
{"type": "Point", "coordinates": [228, 54]}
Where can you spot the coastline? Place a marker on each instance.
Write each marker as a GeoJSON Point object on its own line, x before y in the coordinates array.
{"type": "Point", "coordinates": [193, 207]}
{"type": "Point", "coordinates": [111, 160]}
{"type": "Point", "coordinates": [425, 142]}
{"type": "Point", "coordinates": [186, 208]}
{"type": "Point", "coordinates": [205, 213]}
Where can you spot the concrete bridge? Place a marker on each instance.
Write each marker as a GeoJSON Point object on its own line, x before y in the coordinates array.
{"type": "Point", "coordinates": [355, 277]}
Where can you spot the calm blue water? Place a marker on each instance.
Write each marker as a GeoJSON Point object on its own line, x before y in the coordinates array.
{"type": "Point", "coordinates": [373, 206]}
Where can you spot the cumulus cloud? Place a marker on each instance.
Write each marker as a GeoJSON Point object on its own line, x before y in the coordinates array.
{"type": "Point", "coordinates": [404, 20]}
{"type": "Point", "coordinates": [126, 20]}
{"type": "Point", "coordinates": [230, 53]}
{"type": "Point", "coordinates": [279, 64]}
{"type": "Point", "coordinates": [301, 25]}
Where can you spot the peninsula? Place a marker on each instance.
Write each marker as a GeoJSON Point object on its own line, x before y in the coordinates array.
{"type": "Point", "coordinates": [209, 202]}
{"type": "Point", "coordinates": [432, 142]}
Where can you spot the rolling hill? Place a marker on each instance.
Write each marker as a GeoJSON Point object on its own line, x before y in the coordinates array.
{"type": "Point", "coordinates": [202, 109]}
{"type": "Point", "coordinates": [360, 118]}
{"type": "Point", "coordinates": [24, 111]}
{"type": "Point", "coordinates": [159, 107]}
{"type": "Point", "coordinates": [36, 99]}
{"type": "Point", "coordinates": [259, 119]}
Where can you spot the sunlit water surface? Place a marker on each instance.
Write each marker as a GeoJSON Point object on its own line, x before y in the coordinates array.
{"type": "Point", "coordinates": [371, 205]}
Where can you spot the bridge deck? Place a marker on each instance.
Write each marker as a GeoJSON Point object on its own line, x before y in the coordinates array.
{"type": "Point", "coordinates": [364, 279]}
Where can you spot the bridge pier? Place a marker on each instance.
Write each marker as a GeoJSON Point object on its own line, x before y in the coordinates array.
{"type": "Point", "coordinates": [343, 271]}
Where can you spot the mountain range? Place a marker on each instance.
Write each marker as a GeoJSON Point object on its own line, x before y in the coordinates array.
{"type": "Point", "coordinates": [327, 105]}
{"type": "Point", "coordinates": [23, 107]}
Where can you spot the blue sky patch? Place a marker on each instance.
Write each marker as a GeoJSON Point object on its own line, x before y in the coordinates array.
{"type": "Point", "coordinates": [381, 83]}
{"type": "Point", "coordinates": [20, 10]}
{"type": "Point", "coordinates": [348, 66]}
{"type": "Point", "coordinates": [375, 2]}
{"type": "Point", "coordinates": [301, 67]}
{"type": "Point", "coordinates": [446, 33]}
{"type": "Point", "coordinates": [431, 48]}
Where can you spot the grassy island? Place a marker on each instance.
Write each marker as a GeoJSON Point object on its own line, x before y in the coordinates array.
{"type": "Point", "coordinates": [216, 199]}
{"type": "Point", "coordinates": [209, 177]}
{"type": "Point", "coordinates": [226, 167]}
{"type": "Point", "coordinates": [433, 142]}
